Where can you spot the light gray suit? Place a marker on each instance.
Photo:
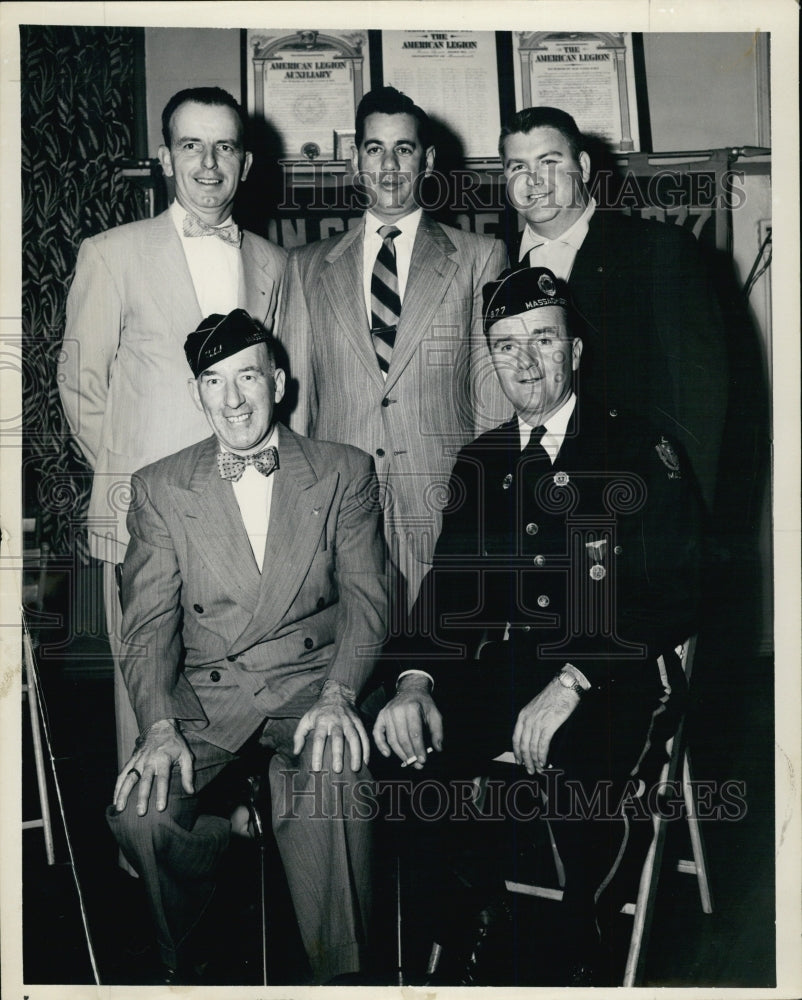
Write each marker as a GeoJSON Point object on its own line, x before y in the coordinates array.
{"type": "Point", "coordinates": [123, 376]}
{"type": "Point", "coordinates": [210, 641]}
{"type": "Point", "coordinates": [440, 391]}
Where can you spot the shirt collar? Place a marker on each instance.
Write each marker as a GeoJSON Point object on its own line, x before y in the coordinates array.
{"type": "Point", "coordinates": [556, 427]}
{"type": "Point", "coordinates": [408, 224]}
{"type": "Point", "coordinates": [574, 236]}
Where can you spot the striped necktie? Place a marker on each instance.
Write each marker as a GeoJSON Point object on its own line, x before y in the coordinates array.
{"type": "Point", "coordinates": [385, 301]}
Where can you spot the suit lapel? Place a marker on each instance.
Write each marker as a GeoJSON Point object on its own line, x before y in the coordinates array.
{"type": "Point", "coordinates": [431, 271]}
{"type": "Point", "coordinates": [167, 279]}
{"type": "Point", "coordinates": [299, 510]}
{"type": "Point", "coordinates": [213, 520]}
{"type": "Point", "coordinates": [341, 280]}
{"type": "Point", "coordinates": [256, 285]}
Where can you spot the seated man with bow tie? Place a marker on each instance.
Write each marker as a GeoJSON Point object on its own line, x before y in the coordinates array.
{"type": "Point", "coordinates": [254, 606]}
{"type": "Point", "coordinates": [568, 563]}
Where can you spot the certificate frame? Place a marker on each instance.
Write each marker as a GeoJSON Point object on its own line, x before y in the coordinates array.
{"type": "Point", "coordinates": [544, 63]}
{"type": "Point", "coordinates": [308, 49]}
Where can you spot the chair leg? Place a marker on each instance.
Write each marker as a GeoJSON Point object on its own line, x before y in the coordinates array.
{"type": "Point", "coordinates": [644, 906]}
{"type": "Point", "coordinates": [697, 845]}
{"type": "Point", "coordinates": [256, 819]}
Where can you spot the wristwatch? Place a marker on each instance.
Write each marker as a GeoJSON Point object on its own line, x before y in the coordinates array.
{"type": "Point", "coordinates": [567, 679]}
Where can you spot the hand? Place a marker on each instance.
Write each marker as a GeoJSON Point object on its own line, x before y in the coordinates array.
{"type": "Point", "coordinates": [334, 717]}
{"type": "Point", "coordinates": [156, 752]}
{"type": "Point", "coordinates": [538, 722]}
{"type": "Point", "coordinates": [401, 724]}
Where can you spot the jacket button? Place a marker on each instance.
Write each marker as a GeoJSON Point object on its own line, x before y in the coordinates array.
{"type": "Point", "coordinates": [618, 550]}
{"type": "Point", "coordinates": [531, 528]}
{"type": "Point", "coordinates": [380, 452]}
{"type": "Point", "coordinates": [231, 659]}
{"type": "Point", "coordinates": [543, 601]}
{"type": "Point", "coordinates": [308, 643]}
{"type": "Point", "coordinates": [215, 675]}
{"type": "Point", "coordinates": [613, 413]}
{"type": "Point", "coordinates": [321, 603]}
{"type": "Point", "coordinates": [198, 608]}
{"type": "Point", "coordinates": [385, 402]}
{"type": "Point", "coordinates": [539, 560]}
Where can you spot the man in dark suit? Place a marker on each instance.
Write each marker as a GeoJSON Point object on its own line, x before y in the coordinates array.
{"type": "Point", "coordinates": [254, 606]}
{"type": "Point", "coordinates": [137, 290]}
{"type": "Point", "coordinates": [569, 561]}
{"type": "Point", "coordinates": [382, 326]}
{"type": "Point", "coordinates": [654, 341]}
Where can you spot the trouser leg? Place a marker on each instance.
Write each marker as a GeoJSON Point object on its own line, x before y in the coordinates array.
{"type": "Point", "coordinates": [324, 836]}
{"type": "Point", "coordinates": [176, 852]}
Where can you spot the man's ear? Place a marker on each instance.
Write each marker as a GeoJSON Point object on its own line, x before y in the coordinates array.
{"type": "Point", "coordinates": [429, 161]}
{"type": "Point", "coordinates": [279, 380]}
{"type": "Point", "coordinates": [247, 163]}
{"type": "Point", "coordinates": [354, 159]}
{"type": "Point", "coordinates": [576, 353]}
{"type": "Point", "coordinates": [584, 163]}
{"type": "Point", "coordinates": [166, 160]}
{"type": "Point", "coordinates": [192, 386]}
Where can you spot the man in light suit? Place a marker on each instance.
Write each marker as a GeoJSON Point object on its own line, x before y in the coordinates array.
{"type": "Point", "coordinates": [383, 331]}
{"type": "Point", "coordinates": [137, 290]}
{"type": "Point", "coordinates": [254, 607]}
{"type": "Point", "coordinates": [660, 352]}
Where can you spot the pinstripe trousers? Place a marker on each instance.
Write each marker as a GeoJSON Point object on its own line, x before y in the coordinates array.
{"type": "Point", "coordinates": [324, 846]}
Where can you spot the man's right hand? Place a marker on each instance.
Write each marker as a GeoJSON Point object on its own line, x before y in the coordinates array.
{"type": "Point", "coordinates": [402, 723]}
{"type": "Point", "coordinates": [157, 751]}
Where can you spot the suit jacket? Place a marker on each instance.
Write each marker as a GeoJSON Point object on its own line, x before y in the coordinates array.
{"type": "Point", "coordinates": [129, 310]}
{"type": "Point", "coordinates": [655, 342]}
{"type": "Point", "coordinates": [440, 388]}
{"type": "Point", "coordinates": [593, 560]}
{"type": "Point", "coordinates": [212, 642]}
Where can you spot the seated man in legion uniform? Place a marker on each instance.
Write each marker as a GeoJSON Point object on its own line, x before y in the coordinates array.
{"type": "Point", "coordinates": [568, 564]}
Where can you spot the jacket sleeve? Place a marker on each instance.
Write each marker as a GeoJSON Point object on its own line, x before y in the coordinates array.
{"type": "Point", "coordinates": [361, 580]}
{"type": "Point", "coordinates": [91, 337]}
{"type": "Point", "coordinates": [151, 631]}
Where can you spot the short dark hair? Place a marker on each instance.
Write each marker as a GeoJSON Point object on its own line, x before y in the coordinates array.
{"type": "Point", "coordinates": [389, 101]}
{"type": "Point", "coordinates": [200, 95]}
{"type": "Point", "coordinates": [529, 118]}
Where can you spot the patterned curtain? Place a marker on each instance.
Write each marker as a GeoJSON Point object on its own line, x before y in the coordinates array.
{"type": "Point", "coordinates": [78, 86]}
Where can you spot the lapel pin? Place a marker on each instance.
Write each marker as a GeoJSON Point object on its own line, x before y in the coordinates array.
{"type": "Point", "coordinates": [561, 479]}
{"type": "Point", "coordinates": [507, 482]}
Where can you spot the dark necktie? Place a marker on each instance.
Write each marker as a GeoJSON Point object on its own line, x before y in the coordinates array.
{"type": "Point", "coordinates": [231, 466]}
{"type": "Point", "coordinates": [534, 449]}
{"type": "Point", "coordinates": [228, 234]}
{"type": "Point", "coordinates": [385, 301]}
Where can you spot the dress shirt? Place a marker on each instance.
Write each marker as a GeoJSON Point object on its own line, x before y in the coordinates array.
{"type": "Point", "coordinates": [403, 244]}
{"type": "Point", "coordinates": [254, 493]}
{"type": "Point", "coordinates": [214, 266]}
{"type": "Point", "coordinates": [556, 426]}
{"type": "Point", "coordinates": [557, 255]}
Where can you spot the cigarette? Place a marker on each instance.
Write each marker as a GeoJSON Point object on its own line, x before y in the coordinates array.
{"type": "Point", "coordinates": [414, 757]}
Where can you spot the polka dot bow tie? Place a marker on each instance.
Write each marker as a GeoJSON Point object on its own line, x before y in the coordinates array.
{"type": "Point", "coordinates": [232, 466]}
{"type": "Point", "coordinates": [228, 234]}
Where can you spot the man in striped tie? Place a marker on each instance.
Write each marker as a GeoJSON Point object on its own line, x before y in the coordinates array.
{"type": "Point", "coordinates": [565, 575]}
{"type": "Point", "coordinates": [382, 326]}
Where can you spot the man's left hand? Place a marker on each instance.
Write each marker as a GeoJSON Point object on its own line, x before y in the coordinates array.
{"type": "Point", "coordinates": [537, 723]}
{"type": "Point", "coordinates": [334, 717]}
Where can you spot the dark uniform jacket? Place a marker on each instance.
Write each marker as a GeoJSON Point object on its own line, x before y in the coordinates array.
{"type": "Point", "coordinates": [593, 560]}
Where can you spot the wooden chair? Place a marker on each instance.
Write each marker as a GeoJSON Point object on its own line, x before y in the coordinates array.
{"type": "Point", "coordinates": [677, 770]}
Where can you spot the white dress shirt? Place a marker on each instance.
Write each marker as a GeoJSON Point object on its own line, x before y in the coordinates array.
{"type": "Point", "coordinates": [556, 426]}
{"type": "Point", "coordinates": [254, 493]}
{"type": "Point", "coordinates": [214, 266]}
{"type": "Point", "coordinates": [557, 255]}
{"type": "Point", "coordinates": [403, 243]}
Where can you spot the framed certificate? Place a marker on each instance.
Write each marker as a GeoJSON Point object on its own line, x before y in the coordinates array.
{"type": "Point", "coordinates": [307, 84]}
{"type": "Point", "coordinates": [591, 75]}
